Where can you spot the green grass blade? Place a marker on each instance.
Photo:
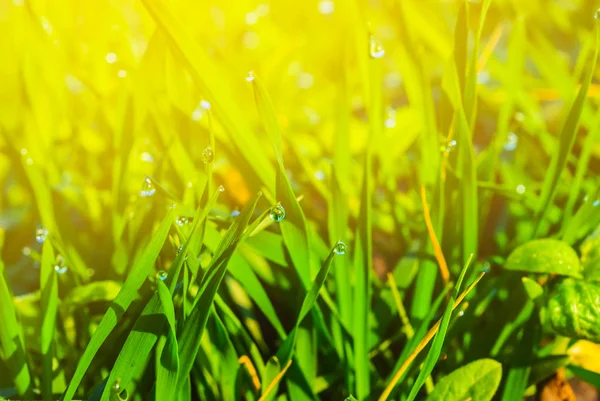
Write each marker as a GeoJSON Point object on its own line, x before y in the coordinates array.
{"type": "Point", "coordinates": [167, 364]}
{"type": "Point", "coordinates": [49, 306]}
{"type": "Point", "coordinates": [121, 303]}
{"type": "Point", "coordinates": [566, 140]}
{"type": "Point", "coordinates": [142, 338]}
{"type": "Point", "coordinates": [193, 327]}
{"type": "Point", "coordinates": [11, 337]}
{"type": "Point", "coordinates": [438, 341]}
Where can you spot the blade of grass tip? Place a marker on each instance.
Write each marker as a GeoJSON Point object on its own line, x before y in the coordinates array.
{"type": "Point", "coordinates": [121, 303]}
{"type": "Point", "coordinates": [193, 327]}
{"type": "Point", "coordinates": [285, 352]}
{"type": "Point", "coordinates": [140, 341]}
{"type": "Point", "coordinates": [455, 302]}
{"type": "Point", "coordinates": [206, 75]}
{"type": "Point", "coordinates": [11, 337]}
{"type": "Point", "coordinates": [437, 249]}
{"type": "Point", "coordinates": [49, 307]}
{"type": "Point", "coordinates": [565, 143]}
{"type": "Point", "coordinates": [167, 364]}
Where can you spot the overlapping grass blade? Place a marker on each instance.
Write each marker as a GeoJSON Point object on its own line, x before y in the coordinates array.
{"type": "Point", "coordinates": [193, 327]}
{"type": "Point", "coordinates": [167, 353]}
{"type": "Point", "coordinates": [121, 303]}
{"type": "Point", "coordinates": [566, 140]}
{"type": "Point", "coordinates": [438, 341]}
{"type": "Point", "coordinates": [286, 351]}
{"type": "Point", "coordinates": [142, 337]}
{"type": "Point", "coordinates": [11, 337]}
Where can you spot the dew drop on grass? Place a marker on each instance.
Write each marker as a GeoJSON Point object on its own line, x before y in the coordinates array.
{"type": "Point", "coordinates": [250, 76]}
{"type": "Point", "coordinates": [277, 213]}
{"type": "Point", "coordinates": [182, 221]}
{"type": "Point", "coordinates": [60, 267]}
{"type": "Point", "coordinates": [26, 251]}
{"type": "Point", "coordinates": [326, 7]}
{"type": "Point", "coordinates": [340, 248]}
{"type": "Point", "coordinates": [208, 155]}
{"type": "Point", "coordinates": [162, 275]}
{"type": "Point", "coordinates": [521, 189]}
{"type": "Point", "coordinates": [116, 387]}
{"type": "Point", "coordinates": [376, 49]}
{"type": "Point", "coordinates": [205, 104]}
{"type": "Point", "coordinates": [41, 234]}
{"type": "Point", "coordinates": [597, 15]}
{"type": "Point", "coordinates": [221, 188]}
{"type": "Point", "coordinates": [448, 147]}
{"type": "Point", "coordinates": [147, 188]}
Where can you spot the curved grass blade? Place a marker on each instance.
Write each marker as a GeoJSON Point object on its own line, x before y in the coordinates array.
{"type": "Point", "coordinates": [285, 353]}
{"type": "Point", "coordinates": [438, 341]}
{"type": "Point", "coordinates": [193, 327]}
{"type": "Point", "coordinates": [144, 334]}
{"type": "Point", "coordinates": [566, 140]}
{"type": "Point", "coordinates": [121, 303]}
{"type": "Point", "coordinates": [167, 364]}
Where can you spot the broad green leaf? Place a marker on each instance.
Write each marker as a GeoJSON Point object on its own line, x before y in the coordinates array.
{"type": "Point", "coordinates": [548, 256]}
{"type": "Point", "coordinates": [477, 380]}
{"type": "Point", "coordinates": [532, 288]}
{"type": "Point", "coordinates": [574, 309]}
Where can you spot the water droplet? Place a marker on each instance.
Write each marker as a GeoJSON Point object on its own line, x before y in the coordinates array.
{"type": "Point", "coordinates": [319, 175]}
{"type": "Point", "coordinates": [277, 213]}
{"type": "Point", "coordinates": [182, 221]}
{"type": "Point", "coordinates": [122, 73]}
{"type": "Point", "coordinates": [251, 18]}
{"type": "Point", "coordinates": [29, 161]}
{"type": "Point", "coordinates": [221, 188]}
{"type": "Point", "coordinates": [24, 151]}
{"type": "Point", "coordinates": [376, 49]}
{"type": "Point", "coordinates": [486, 268]}
{"type": "Point", "coordinates": [235, 213]}
{"type": "Point", "coordinates": [250, 77]}
{"type": "Point", "coordinates": [147, 188]}
{"type": "Point", "coordinates": [46, 25]}
{"type": "Point", "coordinates": [208, 155]}
{"type": "Point", "coordinates": [60, 267]}
{"type": "Point", "coordinates": [162, 275]}
{"type": "Point", "coordinates": [596, 203]}
{"type": "Point", "coordinates": [305, 80]}
{"type": "Point", "coordinates": [340, 248]}
{"type": "Point", "coordinates": [147, 157]}
{"type": "Point", "coordinates": [111, 57]}
{"type": "Point", "coordinates": [597, 15]}
{"type": "Point", "coordinates": [461, 313]}
{"type": "Point", "coordinates": [521, 189]}
{"type": "Point", "coordinates": [41, 234]}
{"type": "Point", "coordinates": [26, 251]}
{"type": "Point", "coordinates": [197, 113]}
{"type": "Point", "coordinates": [326, 7]}
{"type": "Point", "coordinates": [390, 121]}
{"type": "Point", "coordinates": [179, 250]}
{"type": "Point", "coordinates": [449, 146]}
{"type": "Point", "coordinates": [511, 142]}
{"type": "Point", "coordinates": [205, 104]}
